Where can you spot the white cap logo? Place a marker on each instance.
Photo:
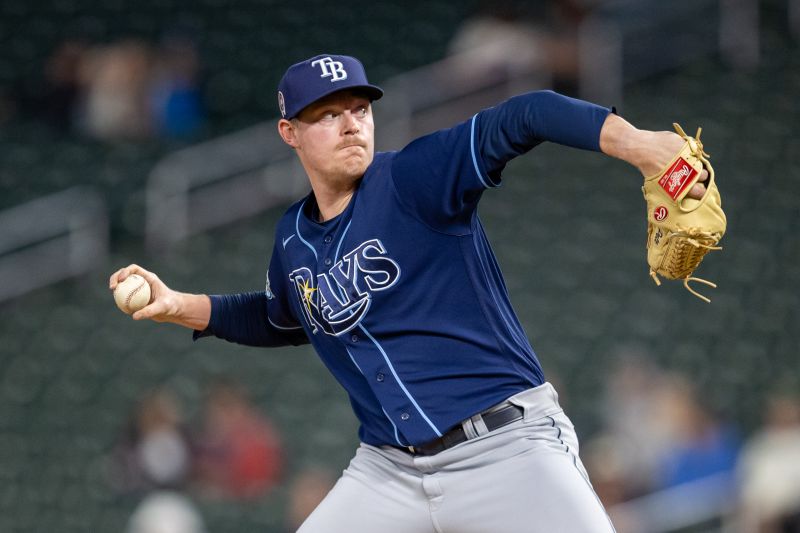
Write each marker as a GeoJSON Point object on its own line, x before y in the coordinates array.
{"type": "Point", "coordinates": [330, 68]}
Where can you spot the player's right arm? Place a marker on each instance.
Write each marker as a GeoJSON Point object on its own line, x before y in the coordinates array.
{"type": "Point", "coordinates": [192, 311]}
{"type": "Point", "coordinates": [240, 318]}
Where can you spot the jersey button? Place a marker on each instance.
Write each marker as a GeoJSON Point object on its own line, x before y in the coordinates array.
{"type": "Point", "coordinates": [328, 261]}
{"type": "Point", "coordinates": [380, 376]}
{"type": "Point", "coordinates": [354, 338]}
{"type": "Point", "coordinates": [405, 416]}
{"type": "Point", "coordinates": [328, 239]}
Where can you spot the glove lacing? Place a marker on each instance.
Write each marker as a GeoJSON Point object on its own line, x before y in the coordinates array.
{"type": "Point", "coordinates": [692, 256]}
{"type": "Point", "coordinates": [696, 148]}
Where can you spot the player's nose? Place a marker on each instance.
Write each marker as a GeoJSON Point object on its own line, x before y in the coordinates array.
{"type": "Point", "coordinates": [349, 123]}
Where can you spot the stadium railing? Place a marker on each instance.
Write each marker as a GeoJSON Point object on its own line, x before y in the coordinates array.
{"type": "Point", "coordinates": [240, 174]}
{"type": "Point", "coordinates": [52, 238]}
{"type": "Point", "coordinates": [625, 41]}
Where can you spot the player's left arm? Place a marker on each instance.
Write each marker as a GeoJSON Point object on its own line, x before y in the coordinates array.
{"type": "Point", "coordinates": [648, 151]}
{"type": "Point", "coordinates": [522, 122]}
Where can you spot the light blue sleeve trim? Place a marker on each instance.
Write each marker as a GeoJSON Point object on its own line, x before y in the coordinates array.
{"type": "Point", "coordinates": [402, 386]}
{"type": "Point", "coordinates": [297, 229]}
{"type": "Point", "coordinates": [486, 184]}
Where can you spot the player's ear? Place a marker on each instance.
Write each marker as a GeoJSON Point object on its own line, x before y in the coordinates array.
{"type": "Point", "coordinates": [287, 132]}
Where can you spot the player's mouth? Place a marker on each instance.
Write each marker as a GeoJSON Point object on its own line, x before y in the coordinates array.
{"type": "Point", "coordinates": [346, 146]}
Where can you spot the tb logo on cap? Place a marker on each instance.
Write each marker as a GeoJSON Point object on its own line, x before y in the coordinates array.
{"type": "Point", "coordinates": [331, 68]}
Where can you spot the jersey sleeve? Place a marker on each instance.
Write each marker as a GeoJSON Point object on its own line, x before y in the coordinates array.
{"type": "Point", "coordinates": [256, 318]}
{"type": "Point", "coordinates": [522, 122]}
{"type": "Point", "coordinates": [441, 176]}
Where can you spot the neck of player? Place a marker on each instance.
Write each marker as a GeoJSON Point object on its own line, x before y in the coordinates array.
{"type": "Point", "coordinates": [332, 197]}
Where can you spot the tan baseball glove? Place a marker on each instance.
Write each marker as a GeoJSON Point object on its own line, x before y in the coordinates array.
{"type": "Point", "coordinates": [681, 230]}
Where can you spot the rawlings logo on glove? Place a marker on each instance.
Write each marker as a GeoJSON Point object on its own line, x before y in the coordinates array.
{"type": "Point", "coordinates": [682, 230]}
{"type": "Point", "coordinates": [677, 178]}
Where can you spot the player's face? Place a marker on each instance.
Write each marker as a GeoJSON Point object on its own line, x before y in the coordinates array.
{"type": "Point", "coordinates": [335, 137]}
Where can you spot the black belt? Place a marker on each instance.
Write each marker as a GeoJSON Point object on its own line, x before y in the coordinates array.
{"type": "Point", "coordinates": [495, 417]}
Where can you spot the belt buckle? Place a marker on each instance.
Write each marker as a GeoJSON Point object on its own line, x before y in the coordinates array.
{"type": "Point", "coordinates": [412, 449]}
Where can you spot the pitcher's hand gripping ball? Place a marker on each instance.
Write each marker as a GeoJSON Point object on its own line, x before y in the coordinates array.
{"type": "Point", "coordinates": [132, 294]}
{"type": "Point", "coordinates": [681, 230]}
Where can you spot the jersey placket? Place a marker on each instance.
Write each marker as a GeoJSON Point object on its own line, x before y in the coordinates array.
{"type": "Point", "coordinates": [397, 402]}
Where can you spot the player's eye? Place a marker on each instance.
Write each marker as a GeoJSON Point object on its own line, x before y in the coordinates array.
{"type": "Point", "coordinates": [328, 115]}
{"type": "Point", "coordinates": [361, 111]}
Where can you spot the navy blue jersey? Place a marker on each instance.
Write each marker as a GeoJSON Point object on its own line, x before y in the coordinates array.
{"type": "Point", "coordinates": [400, 294]}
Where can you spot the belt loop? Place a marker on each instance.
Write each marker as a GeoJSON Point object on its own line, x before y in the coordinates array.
{"type": "Point", "coordinates": [469, 428]}
{"type": "Point", "coordinates": [480, 425]}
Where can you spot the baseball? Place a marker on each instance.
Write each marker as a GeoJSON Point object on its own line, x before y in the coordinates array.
{"type": "Point", "coordinates": [132, 294]}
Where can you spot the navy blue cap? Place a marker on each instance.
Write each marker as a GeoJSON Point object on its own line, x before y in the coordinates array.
{"type": "Point", "coordinates": [306, 82]}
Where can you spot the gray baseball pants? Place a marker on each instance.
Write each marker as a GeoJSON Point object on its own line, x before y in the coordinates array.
{"type": "Point", "coordinates": [523, 477]}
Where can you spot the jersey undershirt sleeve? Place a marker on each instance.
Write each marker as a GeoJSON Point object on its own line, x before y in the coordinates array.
{"type": "Point", "coordinates": [441, 176]}
{"type": "Point", "coordinates": [256, 318]}
{"type": "Point", "coordinates": [242, 318]}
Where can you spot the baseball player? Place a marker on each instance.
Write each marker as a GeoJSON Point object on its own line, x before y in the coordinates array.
{"type": "Point", "coordinates": [386, 270]}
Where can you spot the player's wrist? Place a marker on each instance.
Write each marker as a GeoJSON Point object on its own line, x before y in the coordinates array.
{"type": "Point", "coordinates": [653, 150]}
{"type": "Point", "coordinates": [192, 311]}
{"type": "Point", "coordinates": [646, 150]}
{"type": "Point", "coordinates": [639, 151]}
{"type": "Point", "coordinates": [620, 139]}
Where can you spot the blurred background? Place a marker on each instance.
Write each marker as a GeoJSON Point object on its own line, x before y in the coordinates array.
{"type": "Point", "coordinates": [145, 132]}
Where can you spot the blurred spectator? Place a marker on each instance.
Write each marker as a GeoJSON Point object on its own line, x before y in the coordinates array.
{"type": "Point", "coordinates": [165, 512]}
{"type": "Point", "coordinates": [702, 445]}
{"type": "Point", "coordinates": [512, 37]}
{"type": "Point", "coordinates": [306, 492]}
{"type": "Point", "coordinates": [53, 96]}
{"type": "Point", "coordinates": [636, 439]}
{"type": "Point", "coordinates": [609, 471]}
{"type": "Point", "coordinates": [175, 96]}
{"type": "Point", "coordinates": [238, 452]}
{"type": "Point", "coordinates": [154, 451]}
{"type": "Point", "coordinates": [658, 435]}
{"type": "Point", "coordinates": [769, 470]}
{"type": "Point", "coordinates": [116, 80]}
{"type": "Point", "coordinates": [126, 90]}
{"type": "Point", "coordinates": [660, 432]}
{"type": "Point", "coordinates": [62, 85]}
{"type": "Point", "coordinates": [606, 465]}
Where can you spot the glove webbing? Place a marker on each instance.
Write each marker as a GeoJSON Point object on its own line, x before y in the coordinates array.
{"type": "Point", "coordinates": [691, 255]}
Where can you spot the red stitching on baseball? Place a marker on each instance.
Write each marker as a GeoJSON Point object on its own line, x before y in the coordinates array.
{"type": "Point", "coordinates": [132, 293]}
